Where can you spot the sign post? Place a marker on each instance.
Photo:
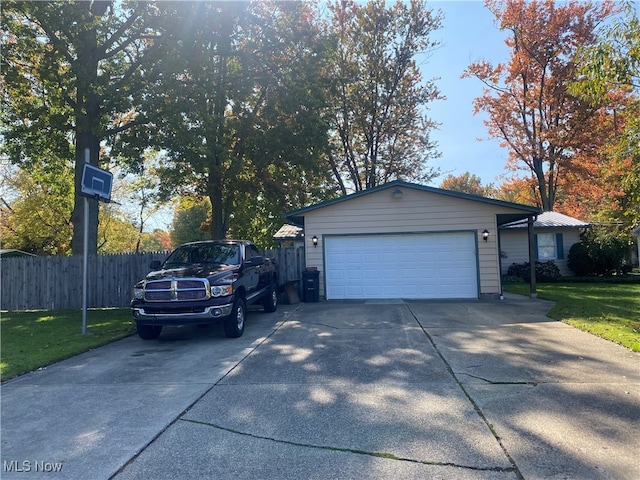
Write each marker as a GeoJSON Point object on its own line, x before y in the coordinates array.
{"type": "Point", "coordinates": [96, 183]}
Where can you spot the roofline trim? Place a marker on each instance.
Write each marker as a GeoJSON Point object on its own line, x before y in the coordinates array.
{"type": "Point", "coordinates": [415, 186]}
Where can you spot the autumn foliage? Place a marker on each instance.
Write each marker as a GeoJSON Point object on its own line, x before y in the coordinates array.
{"type": "Point", "coordinates": [554, 136]}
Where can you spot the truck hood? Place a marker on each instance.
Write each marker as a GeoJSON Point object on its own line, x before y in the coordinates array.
{"type": "Point", "coordinates": [212, 272]}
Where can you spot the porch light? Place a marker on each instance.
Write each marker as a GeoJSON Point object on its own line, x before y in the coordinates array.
{"type": "Point", "coordinates": [315, 241]}
{"type": "Point", "coordinates": [397, 193]}
{"type": "Point", "coordinates": [485, 235]}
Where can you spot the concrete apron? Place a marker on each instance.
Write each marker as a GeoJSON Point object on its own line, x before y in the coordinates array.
{"type": "Point", "coordinates": [451, 390]}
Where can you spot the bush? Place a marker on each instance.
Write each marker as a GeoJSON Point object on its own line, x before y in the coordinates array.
{"type": "Point", "coordinates": [545, 271]}
{"type": "Point", "coordinates": [579, 261]}
{"type": "Point", "coordinates": [598, 253]}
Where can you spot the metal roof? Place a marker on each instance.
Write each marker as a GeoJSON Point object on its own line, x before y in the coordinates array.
{"type": "Point", "coordinates": [289, 232]}
{"type": "Point", "coordinates": [551, 220]}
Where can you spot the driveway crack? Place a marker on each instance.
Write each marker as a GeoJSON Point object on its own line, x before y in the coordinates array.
{"type": "Point", "coordinates": [492, 382]}
{"type": "Point", "coordinates": [388, 456]}
{"type": "Point", "coordinates": [476, 407]}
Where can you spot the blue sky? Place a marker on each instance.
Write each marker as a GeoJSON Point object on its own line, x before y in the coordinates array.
{"type": "Point", "coordinates": [468, 34]}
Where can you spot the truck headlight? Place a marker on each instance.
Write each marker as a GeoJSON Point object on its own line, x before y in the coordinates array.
{"type": "Point", "coordinates": [221, 290]}
{"type": "Point", "coordinates": [138, 293]}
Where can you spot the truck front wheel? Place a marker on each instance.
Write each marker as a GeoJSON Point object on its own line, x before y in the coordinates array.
{"type": "Point", "coordinates": [234, 325]}
{"type": "Point", "coordinates": [149, 332]}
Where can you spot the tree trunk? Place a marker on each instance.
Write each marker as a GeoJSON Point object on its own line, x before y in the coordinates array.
{"type": "Point", "coordinates": [87, 117]}
{"type": "Point", "coordinates": [538, 170]}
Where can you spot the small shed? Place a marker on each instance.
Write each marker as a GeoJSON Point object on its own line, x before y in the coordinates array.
{"type": "Point", "coordinates": [289, 236]}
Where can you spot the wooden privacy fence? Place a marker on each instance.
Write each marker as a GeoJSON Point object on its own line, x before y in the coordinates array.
{"type": "Point", "coordinates": [53, 283]}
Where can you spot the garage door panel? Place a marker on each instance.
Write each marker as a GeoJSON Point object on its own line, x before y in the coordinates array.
{"type": "Point", "coordinates": [401, 266]}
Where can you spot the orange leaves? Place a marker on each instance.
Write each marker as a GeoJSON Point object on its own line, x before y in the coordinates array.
{"type": "Point", "coordinates": [530, 109]}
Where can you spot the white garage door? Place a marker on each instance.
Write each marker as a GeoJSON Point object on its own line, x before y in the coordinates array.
{"type": "Point", "coordinates": [401, 266]}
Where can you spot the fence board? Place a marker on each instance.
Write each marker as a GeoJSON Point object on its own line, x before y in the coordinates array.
{"type": "Point", "coordinates": [54, 283]}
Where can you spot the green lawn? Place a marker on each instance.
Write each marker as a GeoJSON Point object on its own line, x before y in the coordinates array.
{"type": "Point", "coordinates": [30, 340]}
{"type": "Point", "coordinates": [608, 310]}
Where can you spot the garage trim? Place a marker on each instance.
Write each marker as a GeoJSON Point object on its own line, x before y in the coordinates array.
{"type": "Point", "coordinates": [473, 235]}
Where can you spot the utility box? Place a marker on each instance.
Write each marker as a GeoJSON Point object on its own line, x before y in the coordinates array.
{"type": "Point", "coordinates": [310, 286]}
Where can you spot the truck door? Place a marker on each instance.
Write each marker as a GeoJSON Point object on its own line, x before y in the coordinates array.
{"type": "Point", "coordinates": [252, 273]}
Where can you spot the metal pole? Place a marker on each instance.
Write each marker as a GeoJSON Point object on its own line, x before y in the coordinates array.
{"type": "Point", "coordinates": [532, 260]}
{"type": "Point", "coordinates": [85, 254]}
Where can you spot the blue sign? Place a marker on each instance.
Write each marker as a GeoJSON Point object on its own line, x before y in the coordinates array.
{"type": "Point", "coordinates": [96, 183]}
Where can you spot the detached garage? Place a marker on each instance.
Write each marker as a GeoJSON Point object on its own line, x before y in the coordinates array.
{"type": "Point", "coordinates": [403, 240]}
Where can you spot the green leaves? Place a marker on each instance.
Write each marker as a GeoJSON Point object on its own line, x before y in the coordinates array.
{"type": "Point", "coordinates": [379, 130]}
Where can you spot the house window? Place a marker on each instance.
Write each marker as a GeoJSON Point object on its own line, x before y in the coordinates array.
{"type": "Point", "coordinates": [549, 246]}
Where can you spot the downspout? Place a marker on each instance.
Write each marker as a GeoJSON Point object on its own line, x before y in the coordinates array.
{"type": "Point", "coordinates": [500, 261]}
{"type": "Point", "coordinates": [532, 258]}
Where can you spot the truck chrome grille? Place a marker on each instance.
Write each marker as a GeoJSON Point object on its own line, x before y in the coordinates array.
{"type": "Point", "coordinates": [177, 290]}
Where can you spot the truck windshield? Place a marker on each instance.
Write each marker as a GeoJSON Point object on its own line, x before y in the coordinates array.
{"type": "Point", "coordinates": [216, 253]}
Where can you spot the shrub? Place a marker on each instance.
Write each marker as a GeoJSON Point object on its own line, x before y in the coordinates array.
{"type": "Point", "coordinates": [579, 261]}
{"type": "Point", "coordinates": [545, 271]}
{"type": "Point", "coordinates": [598, 253]}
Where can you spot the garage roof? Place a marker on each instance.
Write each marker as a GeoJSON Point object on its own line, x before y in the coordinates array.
{"type": "Point", "coordinates": [297, 216]}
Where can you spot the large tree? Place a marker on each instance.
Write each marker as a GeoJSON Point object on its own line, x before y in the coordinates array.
{"type": "Point", "coordinates": [380, 131]}
{"type": "Point", "coordinates": [610, 75]}
{"type": "Point", "coordinates": [527, 99]}
{"type": "Point", "coordinates": [242, 98]}
{"type": "Point", "coordinates": [73, 72]}
{"type": "Point", "coordinates": [35, 212]}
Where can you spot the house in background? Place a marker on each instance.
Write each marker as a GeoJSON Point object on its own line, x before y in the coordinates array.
{"type": "Point", "coordinates": [12, 253]}
{"type": "Point", "coordinates": [554, 235]}
{"type": "Point", "coordinates": [404, 240]}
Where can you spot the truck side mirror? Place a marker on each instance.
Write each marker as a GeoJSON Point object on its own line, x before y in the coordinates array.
{"type": "Point", "coordinates": [255, 261]}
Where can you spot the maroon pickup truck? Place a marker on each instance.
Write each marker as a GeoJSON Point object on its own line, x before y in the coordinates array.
{"type": "Point", "coordinates": [203, 283]}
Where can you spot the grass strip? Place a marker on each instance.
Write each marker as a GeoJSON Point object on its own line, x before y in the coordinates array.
{"type": "Point", "coordinates": [32, 340]}
{"type": "Point", "coordinates": [608, 310]}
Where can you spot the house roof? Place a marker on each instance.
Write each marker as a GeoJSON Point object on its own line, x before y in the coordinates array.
{"type": "Point", "coordinates": [12, 252]}
{"type": "Point", "coordinates": [289, 232]}
{"type": "Point", "coordinates": [636, 231]}
{"type": "Point", "coordinates": [551, 220]}
{"type": "Point", "coordinates": [298, 215]}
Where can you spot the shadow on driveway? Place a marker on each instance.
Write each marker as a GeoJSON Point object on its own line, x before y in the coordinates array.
{"type": "Point", "coordinates": [416, 389]}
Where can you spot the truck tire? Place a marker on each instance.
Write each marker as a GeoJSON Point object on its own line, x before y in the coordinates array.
{"type": "Point", "coordinates": [270, 299]}
{"type": "Point", "coordinates": [149, 332]}
{"type": "Point", "coordinates": [234, 325]}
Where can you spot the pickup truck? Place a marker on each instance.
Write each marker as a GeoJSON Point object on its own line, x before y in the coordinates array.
{"type": "Point", "coordinates": [202, 283]}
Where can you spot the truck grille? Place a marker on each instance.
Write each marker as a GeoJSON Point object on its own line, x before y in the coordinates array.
{"type": "Point", "coordinates": [177, 290]}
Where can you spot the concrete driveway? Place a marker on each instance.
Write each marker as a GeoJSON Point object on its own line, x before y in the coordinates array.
{"type": "Point", "coordinates": [447, 390]}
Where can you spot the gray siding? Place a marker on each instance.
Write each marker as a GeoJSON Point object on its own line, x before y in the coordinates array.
{"type": "Point", "coordinates": [514, 246]}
